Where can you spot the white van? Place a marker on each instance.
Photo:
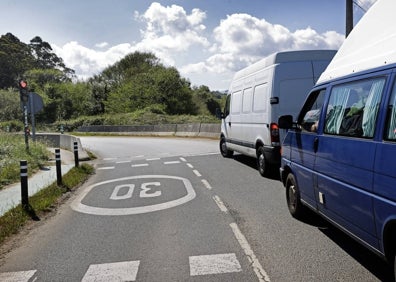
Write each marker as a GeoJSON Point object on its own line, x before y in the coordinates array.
{"type": "Point", "coordinates": [259, 94]}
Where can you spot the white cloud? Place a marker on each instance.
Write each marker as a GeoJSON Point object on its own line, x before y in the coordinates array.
{"type": "Point", "coordinates": [171, 33]}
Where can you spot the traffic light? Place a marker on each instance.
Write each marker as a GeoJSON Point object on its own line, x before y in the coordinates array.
{"type": "Point", "coordinates": [23, 90]}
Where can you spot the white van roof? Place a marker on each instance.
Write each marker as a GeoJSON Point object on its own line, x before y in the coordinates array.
{"type": "Point", "coordinates": [286, 56]}
{"type": "Point", "coordinates": [371, 43]}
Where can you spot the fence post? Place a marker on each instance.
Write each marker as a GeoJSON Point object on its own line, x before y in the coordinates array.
{"type": "Point", "coordinates": [58, 167]}
{"type": "Point", "coordinates": [24, 185]}
{"type": "Point", "coordinates": [76, 154]}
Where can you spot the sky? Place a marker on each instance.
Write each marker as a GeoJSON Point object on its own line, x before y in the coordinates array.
{"type": "Point", "coordinates": [206, 40]}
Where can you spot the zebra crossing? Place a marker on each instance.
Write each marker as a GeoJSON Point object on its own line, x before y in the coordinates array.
{"type": "Point", "coordinates": [128, 270]}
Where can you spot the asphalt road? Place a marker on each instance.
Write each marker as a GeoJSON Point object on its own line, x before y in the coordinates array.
{"type": "Point", "coordinates": [173, 209]}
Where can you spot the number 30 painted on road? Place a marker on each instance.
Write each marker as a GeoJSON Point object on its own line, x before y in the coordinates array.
{"type": "Point", "coordinates": [144, 193]}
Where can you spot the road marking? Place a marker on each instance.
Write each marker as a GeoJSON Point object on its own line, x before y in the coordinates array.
{"type": "Point", "coordinates": [206, 184]}
{"type": "Point", "coordinates": [257, 268]}
{"type": "Point", "coordinates": [139, 165]}
{"type": "Point", "coordinates": [118, 271]}
{"type": "Point", "coordinates": [20, 276]}
{"type": "Point", "coordinates": [109, 159]}
{"type": "Point", "coordinates": [220, 204]}
{"type": "Point", "coordinates": [196, 172]}
{"type": "Point", "coordinates": [105, 168]}
{"type": "Point", "coordinates": [190, 165]}
{"type": "Point", "coordinates": [123, 162]}
{"type": "Point", "coordinates": [214, 264]}
{"type": "Point", "coordinates": [172, 162]}
{"type": "Point", "coordinates": [153, 159]}
{"type": "Point", "coordinates": [78, 206]}
{"type": "Point", "coordinates": [183, 159]}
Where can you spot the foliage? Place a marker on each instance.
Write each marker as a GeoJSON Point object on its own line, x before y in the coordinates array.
{"type": "Point", "coordinates": [12, 150]}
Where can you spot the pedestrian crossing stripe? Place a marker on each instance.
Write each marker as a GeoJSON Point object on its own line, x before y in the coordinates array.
{"type": "Point", "coordinates": [128, 270]}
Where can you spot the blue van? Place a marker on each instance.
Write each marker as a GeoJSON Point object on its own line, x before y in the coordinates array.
{"type": "Point", "coordinates": [339, 155]}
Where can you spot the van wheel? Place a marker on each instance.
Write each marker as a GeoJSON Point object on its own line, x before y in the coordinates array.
{"type": "Point", "coordinates": [293, 198]}
{"type": "Point", "coordinates": [223, 149]}
{"type": "Point", "coordinates": [262, 165]}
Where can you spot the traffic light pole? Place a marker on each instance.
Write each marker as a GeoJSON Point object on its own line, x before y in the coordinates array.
{"type": "Point", "coordinates": [24, 93]}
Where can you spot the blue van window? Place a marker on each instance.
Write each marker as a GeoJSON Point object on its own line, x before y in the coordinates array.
{"type": "Point", "coordinates": [391, 118]}
{"type": "Point", "coordinates": [353, 108]}
{"type": "Point", "coordinates": [311, 111]}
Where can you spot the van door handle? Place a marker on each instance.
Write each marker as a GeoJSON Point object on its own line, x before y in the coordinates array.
{"type": "Point", "coordinates": [229, 123]}
{"type": "Point", "coordinates": [316, 144]}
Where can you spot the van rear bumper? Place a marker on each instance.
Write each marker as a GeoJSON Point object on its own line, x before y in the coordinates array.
{"type": "Point", "coordinates": [272, 155]}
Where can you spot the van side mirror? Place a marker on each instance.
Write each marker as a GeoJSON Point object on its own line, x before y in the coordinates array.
{"type": "Point", "coordinates": [219, 113]}
{"type": "Point", "coordinates": [285, 122]}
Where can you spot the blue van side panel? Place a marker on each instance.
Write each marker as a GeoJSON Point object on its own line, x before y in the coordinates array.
{"type": "Point", "coordinates": [346, 181]}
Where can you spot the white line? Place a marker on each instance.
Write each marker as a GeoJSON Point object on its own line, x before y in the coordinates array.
{"type": "Point", "coordinates": [206, 184]}
{"type": "Point", "coordinates": [109, 159]}
{"type": "Point", "coordinates": [139, 165]}
{"type": "Point", "coordinates": [123, 162]}
{"type": "Point", "coordinates": [17, 276]}
{"type": "Point", "coordinates": [258, 269]}
{"type": "Point", "coordinates": [197, 173]}
{"type": "Point", "coordinates": [139, 156]}
{"type": "Point", "coordinates": [172, 162]}
{"type": "Point", "coordinates": [153, 159]}
{"type": "Point", "coordinates": [214, 264]}
{"type": "Point", "coordinates": [220, 204]}
{"type": "Point", "coordinates": [190, 165]}
{"type": "Point", "coordinates": [105, 167]}
{"type": "Point", "coordinates": [118, 271]}
{"type": "Point", "coordinates": [182, 159]}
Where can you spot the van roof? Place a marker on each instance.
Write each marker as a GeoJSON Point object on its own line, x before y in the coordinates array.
{"type": "Point", "coordinates": [286, 56]}
{"type": "Point", "coordinates": [371, 43]}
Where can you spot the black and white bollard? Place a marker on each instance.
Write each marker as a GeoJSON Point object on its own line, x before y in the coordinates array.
{"type": "Point", "coordinates": [24, 185]}
{"type": "Point", "coordinates": [58, 167]}
{"type": "Point", "coordinates": [76, 154]}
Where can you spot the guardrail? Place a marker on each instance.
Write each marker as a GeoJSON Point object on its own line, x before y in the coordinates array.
{"type": "Point", "coordinates": [211, 130]}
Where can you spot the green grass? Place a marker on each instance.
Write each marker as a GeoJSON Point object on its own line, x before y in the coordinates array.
{"type": "Point", "coordinates": [13, 150]}
{"type": "Point", "coordinates": [42, 202]}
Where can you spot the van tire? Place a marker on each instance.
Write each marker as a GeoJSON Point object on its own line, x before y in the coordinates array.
{"type": "Point", "coordinates": [293, 198]}
{"type": "Point", "coordinates": [223, 149]}
{"type": "Point", "coordinates": [262, 165]}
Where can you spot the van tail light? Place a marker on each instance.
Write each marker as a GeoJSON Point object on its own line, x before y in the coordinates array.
{"type": "Point", "coordinates": [274, 129]}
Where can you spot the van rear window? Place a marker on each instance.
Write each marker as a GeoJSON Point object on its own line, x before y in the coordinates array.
{"type": "Point", "coordinates": [353, 108]}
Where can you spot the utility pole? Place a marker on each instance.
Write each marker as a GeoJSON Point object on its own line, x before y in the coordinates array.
{"type": "Point", "coordinates": [348, 17]}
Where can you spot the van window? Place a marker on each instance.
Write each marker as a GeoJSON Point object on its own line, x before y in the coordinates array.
{"type": "Point", "coordinates": [236, 102]}
{"type": "Point", "coordinates": [311, 111]}
{"type": "Point", "coordinates": [247, 100]}
{"type": "Point", "coordinates": [353, 108]}
{"type": "Point", "coordinates": [260, 98]}
{"type": "Point", "coordinates": [390, 133]}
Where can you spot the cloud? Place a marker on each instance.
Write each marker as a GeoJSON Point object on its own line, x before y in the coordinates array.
{"type": "Point", "coordinates": [175, 35]}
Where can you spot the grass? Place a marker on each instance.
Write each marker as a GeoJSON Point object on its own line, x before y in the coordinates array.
{"type": "Point", "coordinates": [42, 202]}
{"type": "Point", "coordinates": [13, 150]}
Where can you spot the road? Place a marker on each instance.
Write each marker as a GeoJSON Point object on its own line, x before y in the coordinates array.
{"type": "Point", "coordinates": [173, 209]}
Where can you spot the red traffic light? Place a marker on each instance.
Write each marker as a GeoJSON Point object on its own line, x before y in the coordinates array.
{"type": "Point", "coordinates": [23, 84]}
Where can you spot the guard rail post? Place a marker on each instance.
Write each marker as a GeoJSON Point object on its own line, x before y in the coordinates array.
{"type": "Point", "coordinates": [24, 185]}
{"type": "Point", "coordinates": [58, 167]}
{"type": "Point", "coordinates": [76, 164]}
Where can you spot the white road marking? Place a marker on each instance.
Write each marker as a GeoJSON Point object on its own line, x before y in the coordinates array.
{"type": "Point", "coordinates": [183, 159]}
{"type": "Point", "coordinates": [139, 165]}
{"type": "Point", "coordinates": [220, 204]}
{"type": "Point", "coordinates": [139, 156]}
{"type": "Point", "coordinates": [78, 206]}
{"type": "Point", "coordinates": [190, 165]}
{"type": "Point", "coordinates": [196, 172]}
{"type": "Point", "coordinates": [206, 184]}
{"type": "Point", "coordinates": [105, 167]}
{"type": "Point", "coordinates": [118, 271]}
{"type": "Point", "coordinates": [19, 276]}
{"type": "Point", "coordinates": [172, 162]}
{"type": "Point", "coordinates": [153, 159]}
{"type": "Point", "coordinates": [109, 159]}
{"type": "Point", "coordinates": [257, 268]}
{"type": "Point", "coordinates": [123, 162]}
{"type": "Point", "coordinates": [214, 264]}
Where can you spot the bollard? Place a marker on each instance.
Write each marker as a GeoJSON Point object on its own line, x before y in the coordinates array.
{"type": "Point", "coordinates": [24, 185]}
{"type": "Point", "coordinates": [76, 154]}
{"type": "Point", "coordinates": [58, 167]}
